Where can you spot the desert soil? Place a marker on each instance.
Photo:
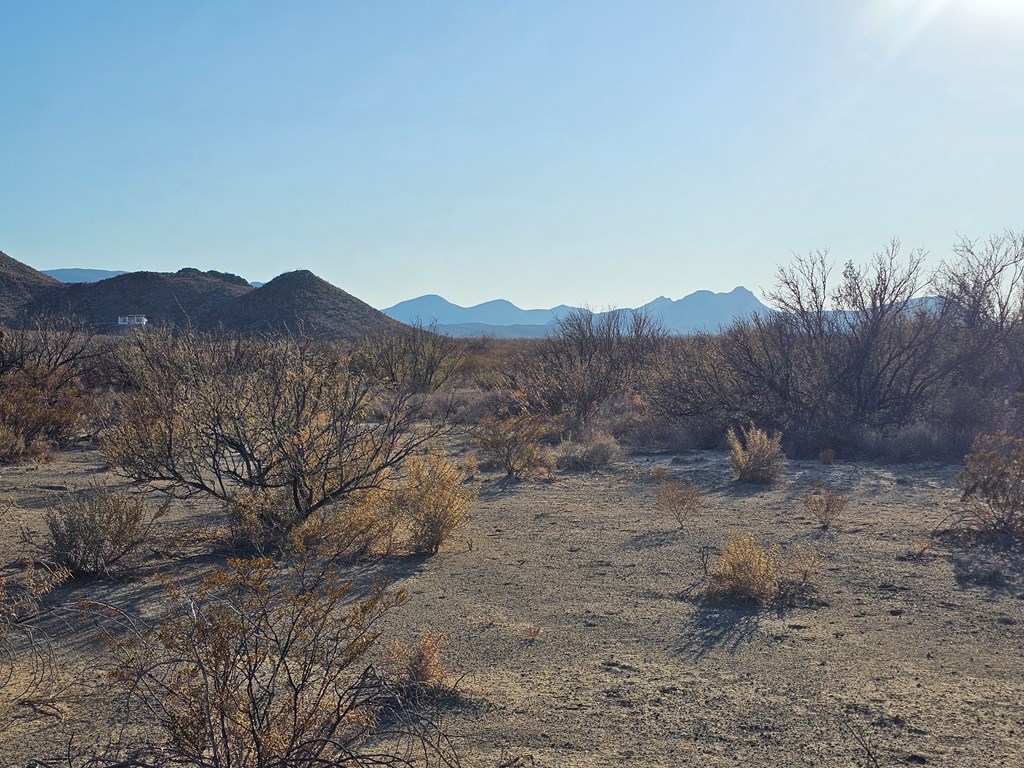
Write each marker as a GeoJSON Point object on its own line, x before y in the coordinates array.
{"type": "Point", "coordinates": [579, 634]}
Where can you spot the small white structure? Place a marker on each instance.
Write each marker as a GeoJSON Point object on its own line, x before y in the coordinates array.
{"type": "Point", "coordinates": [132, 320]}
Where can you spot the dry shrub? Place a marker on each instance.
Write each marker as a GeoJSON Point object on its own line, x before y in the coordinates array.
{"type": "Point", "coordinates": [367, 525]}
{"type": "Point", "coordinates": [434, 500]}
{"type": "Point", "coordinates": [514, 443]}
{"type": "Point", "coordinates": [679, 499]}
{"type": "Point", "coordinates": [417, 670]}
{"type": "Point", "coordinates": [97, 533]}
{"type": "Point", "coordinates": [268, 666]}
{"type": "Point", "coordinates": [755, 456]}
{"type": "Point", "coordinates": [826, 455]}
{"type": "Point", "coordinates": [825, 506]}
{"type": "Point", "coordinates": [748, 571]}
{"type": "Point", "coordinates": [596, 451]}
{"type": "Point", "coordinates": [261, 520]}
{"type": "Point", "coordinates": [993, 487]}
{"type": "Point", "coordinates": [21, 588]}
{"type": "Point", "coordinates": [470, 465]}
{"type": "Point", "coordinates": [745, 570]}
{"type": "Point", "coordinates": [35, 418]}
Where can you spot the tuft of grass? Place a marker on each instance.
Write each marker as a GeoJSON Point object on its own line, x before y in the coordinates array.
{"type": "Point", "coordinates": [755, 456]}
{"type": "Point", "coordinates": [993, 487]}
{"type": "Point", "coordinates": [434, 499]}
{"type": "Point", "coordinates": [416, 671]}
{"type": "Point", "coordinates": [596, 451]}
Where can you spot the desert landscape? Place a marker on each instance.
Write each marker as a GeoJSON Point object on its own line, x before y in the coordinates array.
{"type": "Point", "coordinates": [404, 548]}
{"type": "Point", "coordinates": [534, 384]}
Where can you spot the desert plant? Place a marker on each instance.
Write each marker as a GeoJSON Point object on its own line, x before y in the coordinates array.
{"type": "Point", "coordinates": [417, 670]}
{"type": "Point", "coordinates": [992, 482]}
{"type": "Point", "coordinates": [679, 499]}
{"type": "Point", "coordinates": [586, 360]}
{"type": "Point", "coordinates": [289, 420]}
{"type": "Point", "coordinates": [368, 525]}
{"type": "Point", "coordinates": [825, 506]}
{"type": "Point", "coordinates": [513, 442]}
{"type": "Point", "coordinates": [745, 570]}
{"type": "Point", "coordinates": [415, 357]}
{"type": "Point", "coordinates": [265, 667]}
{"type": "Point", "coordinates": [748, 571]}
{"type": "Point", "coordinates": [22, 586]}
{"type": "Point", "coordinates": [433, 499]}
{"type": "Point", "coordinates": [593, 452]}
{"type": "Point", "coordinates": [755, 456]}
{"type": "Point", "coordinates": [97, 533]}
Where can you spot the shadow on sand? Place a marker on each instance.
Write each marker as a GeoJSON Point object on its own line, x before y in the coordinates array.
{"type": "Point", "coordinates": [720, 624]}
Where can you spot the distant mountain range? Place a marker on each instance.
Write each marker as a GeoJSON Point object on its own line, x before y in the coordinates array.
{"type": "Point", "coordinates": [214, 299]}
{"type": "Point", "coordinates": [700, 311]}
{"type": "Point", "coordinates": [205, 300]}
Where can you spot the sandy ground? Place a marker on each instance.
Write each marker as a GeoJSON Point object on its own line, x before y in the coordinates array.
{"type": "Point", "coordinates": [579, 635]}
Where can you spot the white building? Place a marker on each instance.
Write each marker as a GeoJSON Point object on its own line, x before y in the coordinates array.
{"type": "Point", "coordinates": [131, 320]}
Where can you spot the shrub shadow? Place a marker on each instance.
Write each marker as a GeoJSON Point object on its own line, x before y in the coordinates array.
{"type": "Point", "coordinates": [721, 624]}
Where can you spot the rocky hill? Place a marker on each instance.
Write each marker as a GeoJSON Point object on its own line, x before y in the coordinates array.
{"type": "Point", "coordinates": [301, 301]}
{"type": "Point", "coordinates": [19, 284]}
{"type": "Point", "coordinates": [205, 300]}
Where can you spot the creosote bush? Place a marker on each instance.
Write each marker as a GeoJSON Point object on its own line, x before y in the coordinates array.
{"type": "Point", "coordinates": [680, 499]}
{"type": "Point", "coordinates": [288, 427]}
{"type": "Point", "coordinates": [270, 667]}
{"type": "Point", "coordinates": [993, 487]}
{"type": "Point", "coordinates": [755, 456]}
{"type": "Point", "coordinates": [515, 442]}
{"type": "Point", "coordinates": [825, 506]}
{"type": "Point", "coordinates": [748, 571]}
{"type": "Point", "coordinates": [97, 533]}
{"type": "Point", "coordinates": [433, 499]}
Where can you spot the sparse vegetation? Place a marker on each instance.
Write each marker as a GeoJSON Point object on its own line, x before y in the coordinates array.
{"type": "Point", "coordinates": [97, 533]}
{"type": "Point", "coordinates": [992, 482]}
{"type": "Point", "coordinates": [825, 506]}
{"type": "Point", "coordinates": [595, 451]}
{"type": "Point", "coordinates": [289, 421]}
{"type": "Point", "coordinates": [416, 671]}
{"type": "Point", "coordinates": [747, 570]}
{"type": "Point", "coordinates": [755, 456]}
{"type": "Point", "coordinates": [434, 500]}
{"type": "Point", "coordinates": [515, 442]}
{"type": "Point", "coordinates": [680, 499]}
{"type": "Point", "coordinates": [261, 667]}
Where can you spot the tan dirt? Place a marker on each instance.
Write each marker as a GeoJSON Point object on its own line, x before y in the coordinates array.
{"type": "Point", "coordinates": [579, 634]}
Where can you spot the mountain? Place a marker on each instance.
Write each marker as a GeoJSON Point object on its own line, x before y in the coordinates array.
{"type": "Point", "coordinates": [704, 310]}
{"type": "Point", "coordinates": [302, 301]}
{"type": "Point", "coordinates": [433, 308]}
{"type": "Point", "coordinates": [19, 284]}
{"type": "Point", "coordinates": [185, 297]}
{"type": "Point", "coordinates": [699, 311]}
{"type": "Point", "coordinates": [75, 275]}
{"type": "Point", "coordinates": [204, 300]}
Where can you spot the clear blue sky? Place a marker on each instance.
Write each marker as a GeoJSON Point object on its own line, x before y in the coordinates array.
{"type": "Point", "coordinates": [543, 152]}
